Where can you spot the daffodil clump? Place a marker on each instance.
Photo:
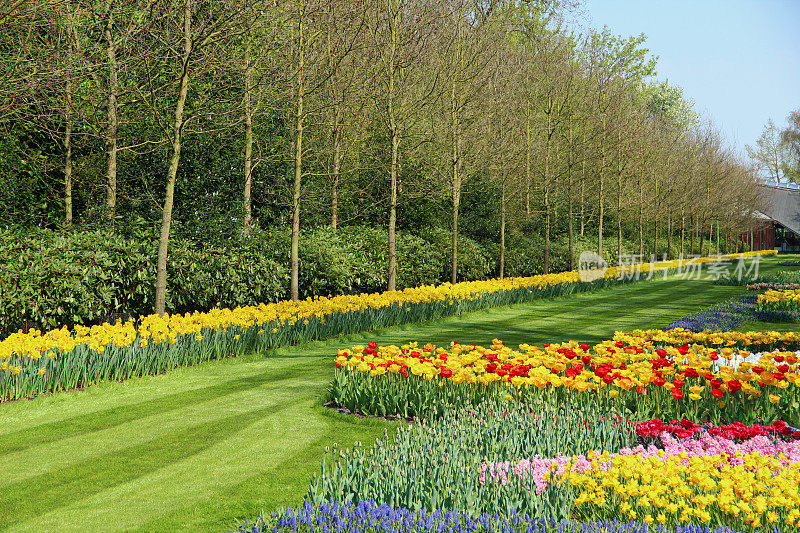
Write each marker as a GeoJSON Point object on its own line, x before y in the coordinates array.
{"type": "Point", "coordinates": [685, 381]}
{"type": "Point", "coordinates": [33, 362]}
{"type": "Point", "coordinates": [742, 491]}
{"type": "Point", "coordinates": [782, 301]}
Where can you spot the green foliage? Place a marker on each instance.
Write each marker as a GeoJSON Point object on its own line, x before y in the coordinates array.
{"type": "Point", "coordinates": [474, 262]}
{"type": "Point", "coordinates": [667, 103]}
{"type": "Point", "coordinates": [48, 279]}
{"type": "Point", "coordinates": [523, 256]}
{"type": "Point", "coordinates": [415, 468]}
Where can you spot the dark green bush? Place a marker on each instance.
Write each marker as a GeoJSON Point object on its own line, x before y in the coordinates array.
{"type": "Point", "coordinates": [474, 262]}
{"type": "Point", "coordinates": [523, 256]}
{"type": "Point", "coordinates": [354, 259]}
{"type": "Point", "coordinates": [48, 279]}
{"type": "Point", "coordinates": [418, 261]}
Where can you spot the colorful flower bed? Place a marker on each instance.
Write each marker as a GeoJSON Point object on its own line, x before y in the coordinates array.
{"type": "Point", "coordinates": [753, 484]}
{"type": "Point", "coordinates": [538, 465]}
{"type": "Point", "coordinates": [675, 381]}
{"type": "Point", "coordinates": [564, 433]}
{"type": "Point", "coordinates": [724, 316]}
{"type": "Point", "coordinates": [34, 362]}
{"type": "Point", "coordinates": [737, 431]}
{"type": "Point", "coordinates": [652, 429]}
{"type": "Point", "coordinates": [763, 286]}
{"type": "Point", "coordinates": [729, 315]}
{"type": "Point", "coordinates": [757, 340]}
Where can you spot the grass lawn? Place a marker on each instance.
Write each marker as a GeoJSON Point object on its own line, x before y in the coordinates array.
{"type": "Point", "coordinates": [200, 447]}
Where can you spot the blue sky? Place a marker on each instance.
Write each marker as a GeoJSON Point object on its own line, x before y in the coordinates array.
{"type": "Point", "coordinates": [738, 59]}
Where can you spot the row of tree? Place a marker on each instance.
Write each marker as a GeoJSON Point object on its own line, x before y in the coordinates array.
{"type": "Point", "coordinates": [231, 116]}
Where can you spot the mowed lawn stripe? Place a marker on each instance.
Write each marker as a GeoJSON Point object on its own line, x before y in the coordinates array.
{"type": "Point", "coordinates": [590, 317]}
{"type": "Point", "coordinates": [270, 488]}
{"type": "Point", "coordinates": [46, 458]}
{"type": "Point", "coordinates": [111, 417]}
{"type": "Point", "coordinates": [53, 490]}
{"type": "Point", "coordinates": [257, 442]}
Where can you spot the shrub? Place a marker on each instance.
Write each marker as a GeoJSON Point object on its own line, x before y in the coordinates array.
{"type": "Point", "coordinates": [474, 262]}
{"type": "Point", "coordinates": [48, 279]}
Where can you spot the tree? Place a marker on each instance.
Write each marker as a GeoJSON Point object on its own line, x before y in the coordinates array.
{"type": "Point", "coordinates": [200, 42]}
{"type": "Point", "coordinates": [401, 32]}
{"type": "Point", "coordinates": [770, 153]}
{"type": "Point", "coordinates": [791, 140]}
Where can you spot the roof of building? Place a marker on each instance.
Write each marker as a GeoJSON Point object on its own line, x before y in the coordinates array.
{"type": "Point", "coordinates": [782, 204]}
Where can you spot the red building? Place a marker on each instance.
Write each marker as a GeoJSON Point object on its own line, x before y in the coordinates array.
{"type": "Point", "coordinates": [778, 226]}
{"type": "Point", "coordinates": [762, 238]}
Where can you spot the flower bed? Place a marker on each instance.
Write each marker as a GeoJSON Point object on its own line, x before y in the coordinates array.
{"type": "Point", "coordinates": [729, 315]}
{"type": "Point", "coordinates": [515, 458]}
{"type": "Point", "coordinates": [757, 340]}
{"type": "Point", "coordinates": [753, 484]}
{"type": "Point", "coordinates": [682, 381]}
{"type": "Point", "coordinates": [736, 431]}
{"type": "Point", "coordinates": [725, 316]}
{"type": "Point", "coordinates": [34, 362]}
{"type": "Point", "coordinates": [785, 303]}
{"type": "Point", "coordinates": [763, 286]}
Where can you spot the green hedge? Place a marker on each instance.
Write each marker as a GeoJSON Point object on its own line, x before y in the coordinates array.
{"type": "Point", "coordinates": [48, 279]}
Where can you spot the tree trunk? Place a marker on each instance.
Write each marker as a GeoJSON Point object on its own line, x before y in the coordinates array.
{"type": "Point", "coordinates": [546, 181]}
{"type": "Point", "coordinates": [600, 193]}
{"type": "Point", "coordinates": [710, 238]}
{"type": "Point", "coordinates": [702, 235]}
{"type": "Point", "coordinates": [619, 195]}
{"type": "Point", "coordinates": [547, 230]}
{"type": "Point", "coordinates": [298, 163]}
{"type": "Point", "coordinates": [683, 232]}
{"type": "Point", "coordinates": [392, 282]}
{"type": "Point", "coordinates": [68, 148]}
{"type": "Point", "coordinates": [641, 218]}
{"type": "Point", "coordinates": [166, 220]}
{"type": "Point", "coordinates": [456, 185]}
{"type": "Point", "coordinates": [68, 119]}
{"type": "Point", "coordinates": [619, 220]}
{"type": "Point", "coordinates": [248, 136]}
{"type": "Point", "coordinates": [337, 141]}
{"type": "Point", "coordinates": [113, 92]}
{"type": "Point", "coordinates": [395, 139]}
{"type": "Point", "coordinates": [655, 239]}
{"type": "Point", "coordinates": [527, 168]}
{"type": "Point", "coordinates": [655, 224]}
{"type": "Point", "coordinates": [502, 229]}
{"type": "Point", "coordinates": [570, 210]}
{"type": "Point", "coordinates": [581, 200]}
{"type": "Point", "coordinates": [669, 236]}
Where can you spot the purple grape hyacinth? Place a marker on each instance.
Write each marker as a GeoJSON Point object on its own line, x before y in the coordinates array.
{"type": "Point", "coordinates": [366, 516]}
